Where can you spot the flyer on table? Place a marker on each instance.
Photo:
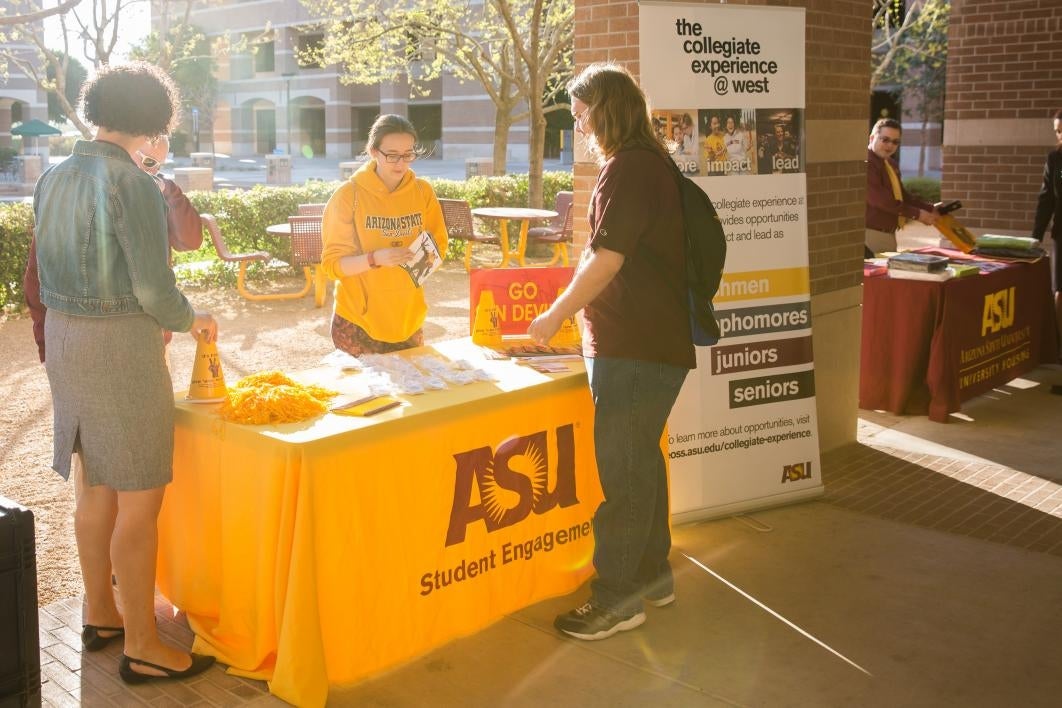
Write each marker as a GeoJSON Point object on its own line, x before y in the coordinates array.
{"type": "Point", "coordinates": [726, 87]}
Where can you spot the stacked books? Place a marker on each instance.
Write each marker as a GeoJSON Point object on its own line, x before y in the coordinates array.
{"type": "Point", "coordinates": [962, 270]}
{"type": "Point", "coordinates": [919, 266]}
{"type": "Point", "coordinates": [1011, 247]}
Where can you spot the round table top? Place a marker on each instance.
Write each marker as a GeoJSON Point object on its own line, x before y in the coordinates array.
{"type": "Point", "coordinates": [514, 213]}
{"type": "Point", "coordinates": [279, 229]}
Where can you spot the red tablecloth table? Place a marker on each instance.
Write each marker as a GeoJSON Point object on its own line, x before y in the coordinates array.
{"type": "Point", "coordinates": [928, 346]}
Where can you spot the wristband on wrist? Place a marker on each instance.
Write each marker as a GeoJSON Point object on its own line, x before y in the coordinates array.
{"type": "Point", "coordinates": [372, 259]}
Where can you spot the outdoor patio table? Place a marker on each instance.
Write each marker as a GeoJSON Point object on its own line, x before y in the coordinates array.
{"type": "Point", "coordinates": [506, 214]}
{"type": "Point", "coordinates": [928, 346]}
{"type": "Point", "coordinates": [319, 281]}
{"type": "Point", "coordinates": [322, 552]}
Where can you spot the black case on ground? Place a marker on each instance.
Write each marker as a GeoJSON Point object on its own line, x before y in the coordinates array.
{"type": "Point", "coordinates": [20, 654]}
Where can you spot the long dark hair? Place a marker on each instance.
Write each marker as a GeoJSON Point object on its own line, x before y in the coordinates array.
{"type": "Point", "coordinates": [617, 110]}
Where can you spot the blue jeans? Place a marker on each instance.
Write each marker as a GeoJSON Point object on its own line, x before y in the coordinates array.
{"type": "Point", "coordinates": [632, 400]}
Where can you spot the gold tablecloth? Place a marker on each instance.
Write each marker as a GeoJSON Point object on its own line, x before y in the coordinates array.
{"type": "Point", "coordinates": [323, 552]}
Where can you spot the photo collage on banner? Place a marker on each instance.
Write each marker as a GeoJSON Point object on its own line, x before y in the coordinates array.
{"type": "Point", "coordinates": [726, 89]}
{"type": "Point", "coordinates": [732, 141]}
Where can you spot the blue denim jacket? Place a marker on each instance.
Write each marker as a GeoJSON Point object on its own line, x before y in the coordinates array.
{"type": "Point", "coordinates": [102, 248]}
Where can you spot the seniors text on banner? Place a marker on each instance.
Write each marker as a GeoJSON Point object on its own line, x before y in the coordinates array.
{"type": "Point", "coordinates": [726, 86]}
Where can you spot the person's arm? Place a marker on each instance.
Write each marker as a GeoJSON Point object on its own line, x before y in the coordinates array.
{"type": "Point", "coordinates": [880, 194]}
{"type": "Point", "coordinates": [31, 286]}
{"type": "Point", "coordinates": [1045, 203]}
{"type": "Point", "coordinates": [596, 270]}
{"type": "Point", "coordinates": [342, 253]}
{"type": "Point", "coordinates": [139, 205]}
{"type": "Point", "coordinates": [184, 229]}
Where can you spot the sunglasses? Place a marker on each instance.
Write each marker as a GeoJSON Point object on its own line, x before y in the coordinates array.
{"type": "Point", "coordinates": [148, 162]}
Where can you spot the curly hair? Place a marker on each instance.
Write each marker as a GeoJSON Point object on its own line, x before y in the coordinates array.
{"type": "Point", "coordinates": [136, 98]}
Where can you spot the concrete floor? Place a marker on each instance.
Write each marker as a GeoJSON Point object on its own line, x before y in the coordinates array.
{"type": "Point", "coordinates": [899, 611]}
{"type": "Point", "coordinates": [925, 618]}
{"type": "Point", "coordinates": [929, 574]}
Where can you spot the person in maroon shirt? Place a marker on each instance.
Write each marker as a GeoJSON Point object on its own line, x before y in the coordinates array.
{"type": "Point", "coordinates": [184, 228]}
{"type": "Point", "coordinates": [631, 288]}
{"type": "Point", "coordinates": [889, 204]}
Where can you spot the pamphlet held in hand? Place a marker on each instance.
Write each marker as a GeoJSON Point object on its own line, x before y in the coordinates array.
{"type": "Point", "coordinates": [426, 258]}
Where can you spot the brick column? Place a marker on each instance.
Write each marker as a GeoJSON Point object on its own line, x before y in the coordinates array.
{"type": "Point", "coordinates": [1004, 82]}
{"type": "Point", "coordinates": [838, 90]}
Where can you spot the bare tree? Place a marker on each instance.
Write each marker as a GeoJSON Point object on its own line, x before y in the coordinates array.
{"type": "Point", "coordinates": [899, 28]}
{"type": "Point", "coordinates": [31, 14]}
{"type": "Point", "coordinates": [44, 61]}
{"type": "Point", "coordinates": [917, 61]}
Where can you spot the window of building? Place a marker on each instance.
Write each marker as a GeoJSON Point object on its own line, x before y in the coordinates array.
{"type": "Point", "coordinates": [264, 57]}
{"type": "Point", "coordinates": [361, 119]}
{"type": "Point", "coordinates": [308, 48]}
{"type": "Point", "coordinates": [427, 119]}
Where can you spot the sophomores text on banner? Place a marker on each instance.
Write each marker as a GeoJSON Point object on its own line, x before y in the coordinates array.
{"type": "Point", "coordinates": [727, 88]}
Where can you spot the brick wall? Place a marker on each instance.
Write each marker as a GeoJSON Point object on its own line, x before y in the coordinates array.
{"type": "Point", "coordinates": [838, 86]}
{"type": "Point", "coordinates": [1004, 81]}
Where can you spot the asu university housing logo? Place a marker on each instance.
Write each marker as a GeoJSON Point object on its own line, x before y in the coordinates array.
{"type": "Point", "coordinates": [998, 311]}
{"type": "Point", "coordinates": [512, 482]}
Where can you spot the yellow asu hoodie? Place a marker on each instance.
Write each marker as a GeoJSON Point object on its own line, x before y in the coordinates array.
{"type": "Point", "coordinates": [363, 216]}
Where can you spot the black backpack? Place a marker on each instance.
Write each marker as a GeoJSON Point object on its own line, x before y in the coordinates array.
{"type": "Point", "coordinates": [705, 256]}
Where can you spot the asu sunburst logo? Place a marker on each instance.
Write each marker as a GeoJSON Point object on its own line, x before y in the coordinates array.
{"type": "Point", "coordinates": [512, 482]}
{"type": "Point", "coordinates": [497, 500]}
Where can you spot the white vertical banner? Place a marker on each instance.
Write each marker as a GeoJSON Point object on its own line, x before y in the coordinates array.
{"type": "Point", "coordinates": [726, 86]}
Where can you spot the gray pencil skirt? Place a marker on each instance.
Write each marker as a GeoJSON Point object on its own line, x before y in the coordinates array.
{"type": "Point", "coordinates": [112, 398]}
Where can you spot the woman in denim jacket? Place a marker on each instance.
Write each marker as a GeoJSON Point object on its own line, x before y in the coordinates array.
{"type": "Point", "coordinates": [102, 255]}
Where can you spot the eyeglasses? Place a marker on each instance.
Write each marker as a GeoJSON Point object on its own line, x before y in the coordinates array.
{"type": "Point", "coordinates": [889, 141]}
{"type": "Point", "coordinates": [394, 157]}
{"type": "Point", "coordinates": [578, 117]}
{"type": "Point", "coordinates": [148, 162]}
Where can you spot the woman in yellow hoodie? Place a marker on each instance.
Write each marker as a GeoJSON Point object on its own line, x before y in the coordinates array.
{"type": "Point", "coordinates": [368, 226]}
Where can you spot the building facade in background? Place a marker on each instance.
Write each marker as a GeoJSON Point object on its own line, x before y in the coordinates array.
{"type": "Point", "coordinates": [269, 101]}
{"type": "Point", "coordinates": [1003, 85]}
{"type": "Point", "coordinates": [923, 131]}
{"type": "Point", "coordinates": [20, 97]}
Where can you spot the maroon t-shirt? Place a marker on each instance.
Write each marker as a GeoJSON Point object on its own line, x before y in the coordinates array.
{"type": "Point", "coordinates": [641, 314]}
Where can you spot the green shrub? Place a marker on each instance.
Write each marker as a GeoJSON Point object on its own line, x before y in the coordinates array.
{"type": "Point", "coordinates": [16, 220]}
{"type": "Point", "coordinates": [925, 188]}
{"type": "Point", "coordinates": [243, 216]}
{"type": "Point", "coordinates": [7, 157]}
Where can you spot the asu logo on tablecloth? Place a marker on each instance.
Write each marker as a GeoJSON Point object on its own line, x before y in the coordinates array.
{"type": "Point", "coordinates": [998, 311]}
{"type": "Point", "coordinates": [512, 482]}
